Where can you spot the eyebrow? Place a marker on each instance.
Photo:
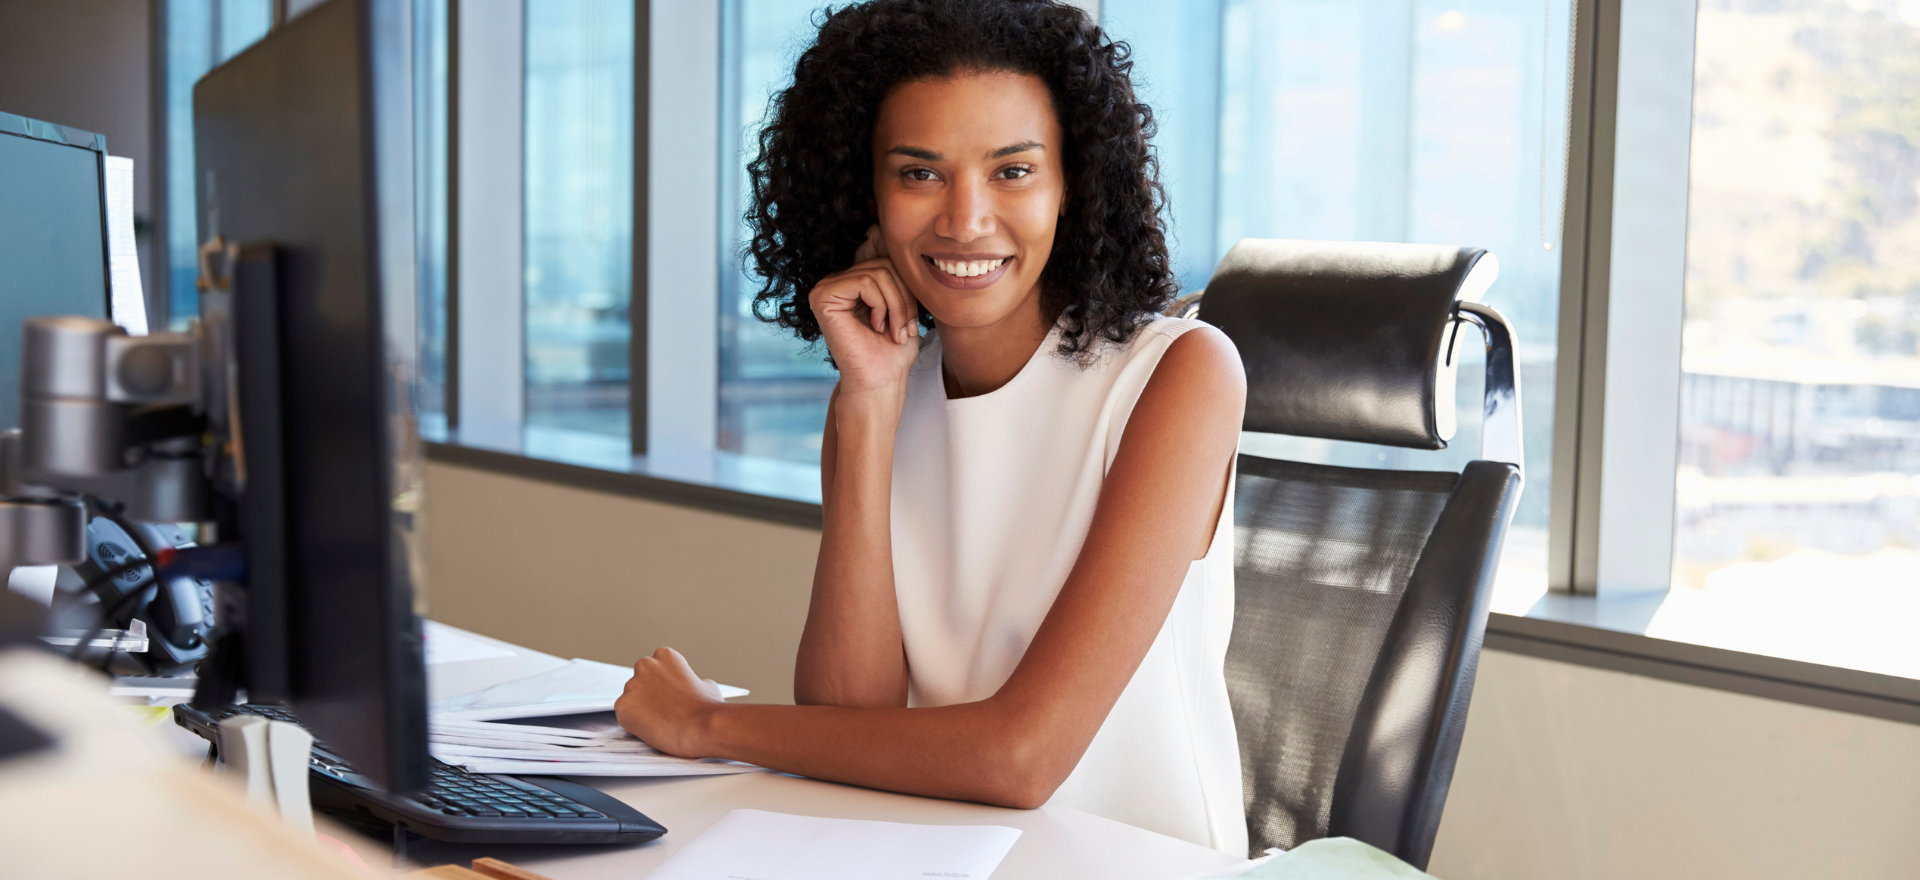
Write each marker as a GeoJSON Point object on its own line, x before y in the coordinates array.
{"type": "Point", "coordinates": [926, 155]}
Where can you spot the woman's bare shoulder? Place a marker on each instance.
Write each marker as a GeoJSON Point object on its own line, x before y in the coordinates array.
{"type": "Point", "coordinates": [1202, 363]}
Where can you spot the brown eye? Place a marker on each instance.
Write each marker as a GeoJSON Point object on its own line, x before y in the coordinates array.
{"type": "Point", "coordinates": [918, 174]}
{"type": "Point", "coordinates": [1016, 173]}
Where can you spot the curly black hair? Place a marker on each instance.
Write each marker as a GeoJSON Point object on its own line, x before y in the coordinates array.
{"type": "Point", "coordinates": [813, 178]}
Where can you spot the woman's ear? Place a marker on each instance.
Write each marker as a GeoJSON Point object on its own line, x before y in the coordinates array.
{"type": "Point", "coordinates": [874, 246]}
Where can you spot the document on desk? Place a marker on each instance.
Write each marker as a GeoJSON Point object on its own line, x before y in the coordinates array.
{"type": "Point", "coordinates": [590, 744]}
{"type": "Point", "coordinates": [579, 686]}
{"type": "Point", "coordinates": [755, 845]}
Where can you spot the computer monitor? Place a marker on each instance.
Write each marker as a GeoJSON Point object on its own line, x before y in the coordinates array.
{"type": "Point", "coordinates": [53, 235]}
{"type": "Point", "coordinates": [303, 141]}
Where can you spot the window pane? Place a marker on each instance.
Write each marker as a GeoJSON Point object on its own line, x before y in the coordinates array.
{"type": "Point", "coordinates": [430, 199]}
{"type": "Point", "coordinates": [1440, 123]}
{"type": "Point", "coordinates": [579, 212]}
{"type": "Point", "coordinates": [199, 35]}
{"type": "Point", "coordinates": [1799, 479]}
{"type": "Point", "coordinates": [773, 388]}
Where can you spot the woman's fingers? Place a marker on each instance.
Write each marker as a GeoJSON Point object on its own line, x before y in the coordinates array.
{"type": "Point", "coordinates": [872, 284]}
{"type": "Point", "coordinates": [903, 313]}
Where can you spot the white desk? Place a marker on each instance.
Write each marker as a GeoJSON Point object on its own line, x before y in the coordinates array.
{"type": "Point", "coordinates": [1055, 843]}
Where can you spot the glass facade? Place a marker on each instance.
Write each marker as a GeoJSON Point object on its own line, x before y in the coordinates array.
{"type": "Point", "coordinates": [1798, 492]}
{"type": "Point", "coordinates": [431, 151]}
{"type": "Point", "coordinates": [199, 34]}
{"type": "Point", "coordinates": [1397, 121]}
{"type": "Point", "coordinates": [579, 213]}
{"type": "Point", "coordinates": [773, 388]}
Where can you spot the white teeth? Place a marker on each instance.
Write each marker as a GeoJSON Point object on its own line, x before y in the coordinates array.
{"type": "Point", "coordinates": [968, 268]}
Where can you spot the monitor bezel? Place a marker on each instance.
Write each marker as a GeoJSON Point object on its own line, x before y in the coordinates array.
{"type": "Point", "coordinates": [14, 125]}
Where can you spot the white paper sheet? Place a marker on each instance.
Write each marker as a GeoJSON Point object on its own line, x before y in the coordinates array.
{"type": "Point", "coordinates": [777, 846]}
{"type": "Point", "coordinates": [579, 686]}
{"type": "Point", "coordinates": [123, 253]}
{"type": "Point", "coordinates": [446, 645]}
{"type": "Point", "coordinates": [572, 745]}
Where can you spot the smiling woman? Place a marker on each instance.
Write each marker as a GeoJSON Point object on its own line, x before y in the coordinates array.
{"type": "Point", "coordinates": [1025, 580]}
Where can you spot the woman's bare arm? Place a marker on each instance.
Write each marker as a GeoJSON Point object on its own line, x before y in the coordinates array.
{"type": "Point", "coordinates": [851, 653]}
{"type": "Point", "coordinates": [1159, 502]}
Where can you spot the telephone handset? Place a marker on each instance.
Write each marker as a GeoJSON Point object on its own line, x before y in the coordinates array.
{"type": "Point", "coordinates": [179, 615]}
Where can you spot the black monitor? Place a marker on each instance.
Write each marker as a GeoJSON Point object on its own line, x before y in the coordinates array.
{"type": "Point", "coordinates": [303, 145]}
{"type": "Point", "coordinates": [53, 235]}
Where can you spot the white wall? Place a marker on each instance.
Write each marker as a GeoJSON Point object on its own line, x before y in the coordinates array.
{"type": "Point", "coordinates": [1566, 771]}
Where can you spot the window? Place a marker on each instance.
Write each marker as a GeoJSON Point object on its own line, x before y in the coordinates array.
{"type": "Point", "coordinates": [1440, 123]}
{"type": "Point", "coordinates": [578, 220]}
{"type": "Point", "coordinates": [1767, 173]}
{"type": "Point", "coordinates": [431, 152]}
{"type": "Point", "coordinates": [773, 388]}
{"type": "Point", "coordinates": [1798, 514]}
{"type": "Point", "coordinates": [198, 34]}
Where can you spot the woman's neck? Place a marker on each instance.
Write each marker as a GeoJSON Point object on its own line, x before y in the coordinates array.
{"type": "Point", "coordinates": [978, 360]}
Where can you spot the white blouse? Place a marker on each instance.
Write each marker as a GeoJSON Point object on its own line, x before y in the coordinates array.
{"type": "Point", "coordinates": [992, 498]}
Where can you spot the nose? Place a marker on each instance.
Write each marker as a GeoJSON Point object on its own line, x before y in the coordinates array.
{"type": "Point", "coordinates": [968, 213]}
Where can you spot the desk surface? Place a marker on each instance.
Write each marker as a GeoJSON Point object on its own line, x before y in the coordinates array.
{"type": "Point", "coordinates": [1054, 842]}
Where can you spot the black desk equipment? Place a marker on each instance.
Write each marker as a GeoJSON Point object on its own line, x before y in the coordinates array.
{"type": "Point", "coordinates": [1361, 595]}
{"type": "Point", "coordinates": [456, 806]}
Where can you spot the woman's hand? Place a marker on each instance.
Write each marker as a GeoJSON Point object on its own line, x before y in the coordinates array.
{"type": "Point", "coordinates": [870, 320]}
{"type": "Point", "coordinates": [666, 705]}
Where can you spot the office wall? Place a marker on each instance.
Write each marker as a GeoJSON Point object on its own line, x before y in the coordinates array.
{"type": "Point", "coordinates": [1567, 772]}
{"type": "Point", "coordinates": [610, 578]}
{"type": "Point", "coordinates": [84, 63]}
{"type": "Point", "coordinates": [1574, 773]}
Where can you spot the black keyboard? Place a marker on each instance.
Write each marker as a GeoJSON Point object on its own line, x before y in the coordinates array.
{"type": "Point", "coordinates": [457, 806]}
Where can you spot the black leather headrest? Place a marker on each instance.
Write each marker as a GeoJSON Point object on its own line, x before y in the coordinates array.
{"type": "Point", "coordinates": [1346, 340]}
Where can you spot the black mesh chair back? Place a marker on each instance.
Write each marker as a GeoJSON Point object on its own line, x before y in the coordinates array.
{"type": "Point", "coordinates": [1361, 595]}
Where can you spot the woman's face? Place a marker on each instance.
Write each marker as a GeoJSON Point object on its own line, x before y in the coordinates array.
{"type": "Point", "coordinates": [969, 187]}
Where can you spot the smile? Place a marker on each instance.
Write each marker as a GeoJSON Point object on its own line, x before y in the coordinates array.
{"type": "Point", "coordinates": [968, 274]}
{"type": "Point", "coordinates": [967, 268]}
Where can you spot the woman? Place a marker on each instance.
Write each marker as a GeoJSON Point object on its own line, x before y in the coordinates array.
{"type": "Point", "coordinates": [1024, 587]}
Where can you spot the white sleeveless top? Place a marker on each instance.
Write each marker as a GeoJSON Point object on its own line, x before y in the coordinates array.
{"type": "Point", "coordinates": [992, 498]}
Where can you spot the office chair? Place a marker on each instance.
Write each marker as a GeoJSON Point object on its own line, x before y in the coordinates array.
{"type": "Point", "coordinates": [1361, 595]}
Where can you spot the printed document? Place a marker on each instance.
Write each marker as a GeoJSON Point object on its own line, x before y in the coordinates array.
{"type": "Point", "coordinates": [579, 686]}
{"type": "Point", "coordinates": [569, 745]}
{"type": "Point", "coordinates": [757, 845]}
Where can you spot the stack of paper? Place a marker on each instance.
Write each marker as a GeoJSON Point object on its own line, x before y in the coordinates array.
{"type": "Point", "coordinates": [557, 723]}
{"type": "Point", "coordinates": [573, 745]}
{"type": "Point", "coordinates": [579, 686]}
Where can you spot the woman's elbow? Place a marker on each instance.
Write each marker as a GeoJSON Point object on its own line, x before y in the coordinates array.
{"type": "Point", "coordinates": [1026, 773]}
{"type": "Point", "coordinates": [1030, 794]}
